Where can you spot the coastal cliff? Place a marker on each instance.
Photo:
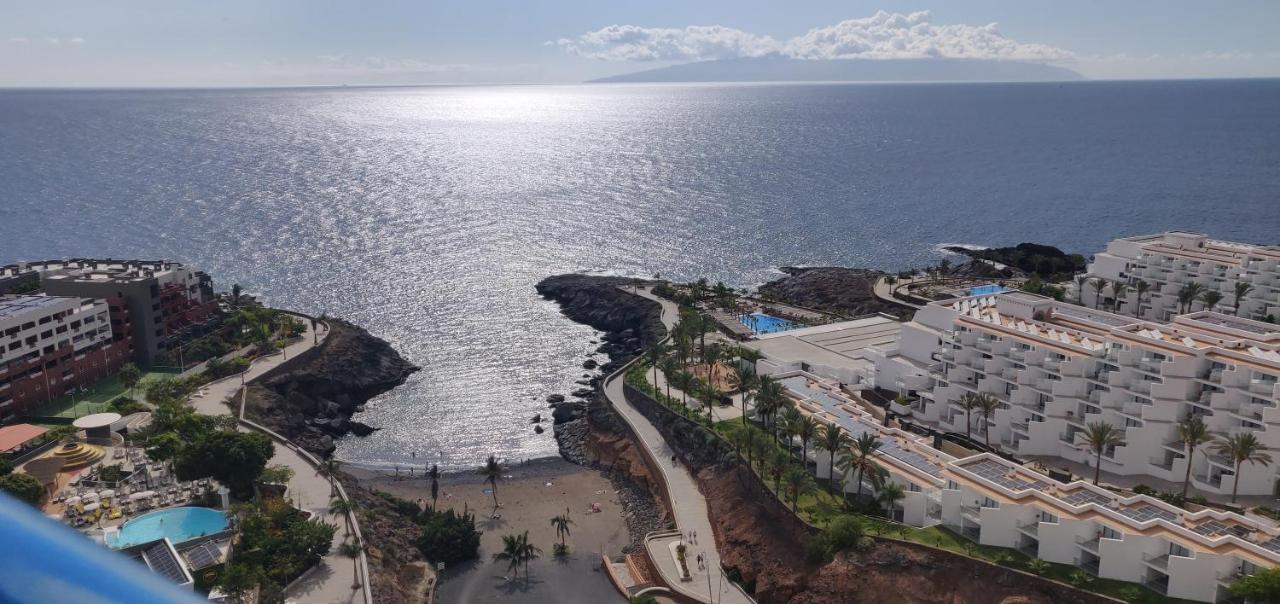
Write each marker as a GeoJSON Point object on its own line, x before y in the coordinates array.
{"type": "Point", "coordinates": [629, 322]}
{"type": "Point", "coordinates": [311, 399]}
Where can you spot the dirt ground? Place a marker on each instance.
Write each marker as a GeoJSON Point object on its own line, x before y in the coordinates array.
{"type": "Point", "coordinates": [529, 496]}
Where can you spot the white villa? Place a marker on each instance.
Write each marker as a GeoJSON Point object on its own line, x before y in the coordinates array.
{"type": "Point", "coordinates": [1169, 261]}
{"type": "Point", "coordinates": [1179, 553]}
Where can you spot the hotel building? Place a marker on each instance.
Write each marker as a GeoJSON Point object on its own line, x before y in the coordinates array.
{"type": "Point", "coordinates": [50, 345]}
{"type": "Point", "coordinates": [1169, 261]}
{"type": "Point", "coordinates": [163, 298]}
{"type": "Point", "coordinates": [1054, 368]}
{"type": "Point", "coordinates": [1194, 555]}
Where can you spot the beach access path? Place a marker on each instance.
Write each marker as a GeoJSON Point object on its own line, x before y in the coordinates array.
{"type": "Point", "coordinates": [884, 290]}
{"type": "Point", "coordinates": [331, 581]}
{"type": "Point", "coordinates": [689, 505]}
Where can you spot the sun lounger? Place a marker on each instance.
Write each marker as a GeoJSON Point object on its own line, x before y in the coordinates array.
{"type": "Point", "coordinates": [115, 513]}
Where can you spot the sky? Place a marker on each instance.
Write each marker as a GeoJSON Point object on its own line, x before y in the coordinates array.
{"type": "Point", "coordinates": [91, 43]}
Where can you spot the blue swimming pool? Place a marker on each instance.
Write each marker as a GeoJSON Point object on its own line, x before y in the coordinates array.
{"type": "Point", "coordinates": [986, 290]}
{"type": "Point", "coordinates": [178, 524]}
{"type": "Point", "coordinates": [762, 323]}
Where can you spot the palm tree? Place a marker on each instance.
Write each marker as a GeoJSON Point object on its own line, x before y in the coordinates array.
{"type": "Point", "coordinates": [1100, 436]}
{"type": "Point", "coordinates": [799, 483]}
{"type": "Point", "coordinates": [1242, 290]}
{"type": "Point", "coordinates": [770, 395]}
{"type": "Point", "coordinates": [562, 523]}
{"type": "Point", "coordinates": [1118, 289]}
{"type": "Point", "coordinates": [777, 465]}
{"type": "Point", "coordinates": [235, 295]}
{"type": "Point", "coordinates": [986, 405]}
{"type": "Point", "coordinates": [889, 496]}
{"type": "Point", "coordinates": [744, 379]}
{"type": "Point", "coordinates": [492, 471]}
{"type": "Point", "coordinates": [342, 507]}
{"type": "Point", "coordinates": [790, 420]}
{"type": "Point", "coordinates": [969, 401]}
{"type": "Point", "coordinates": [1081, 280]}
{"type": "Point", "coordinates": [1193, 432]}
{"type": "Point", "coordinates": [710, 396]}
{"type": "Point", "coordinates": [683, 381]}
{"type": "Point", "coordinates": [710, 357]}
{"type": "Point", "coordinates": [1098, 283]}
{"type": "Point", "coordinates": [1239, 448]}
{"type": "Point", "coordinates": [1210, 299]}
{"type": "Point", "coordinates": [806, 428]}
{"type": "Point", "coordinates": [434, 475]}
{"type": "Point", "coordinates": [528, 553]}
{"type": "Point", "coordinates": [328, 468]}
{"type": "Point", "coordinates": [1188, 295]}
{"type": "Point", "coordinates": [352, 550]}
{"type": "Point", "coordinates": [511, 553]}
{"type": "Point", "coordinates": [1141, 287]}
{"type": "Point", "coordinates": [832, 439]}
{"type": "Point", "coordinates": [860, 458]}
{"type": "Point", "coordinates": [669, 366]}
{"type": "Point", "coordinates": [655, 355]}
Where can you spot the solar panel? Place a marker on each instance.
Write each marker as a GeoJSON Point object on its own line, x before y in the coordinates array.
{"type": "Point", "coordinates": [1216, 528]}
{"type": "Point", "coordinates": [1272, 544]}
{"type": "Point", "coordinates": [203, 555]}
{"type": "Point", "coordinates": [1084, 496]}
{"type": "Point", "coordinates": [998, 473]}
{"type": "Point", "coordinates": [162, 562]}
{"type": "Point", "coordinates": [1147, 512]}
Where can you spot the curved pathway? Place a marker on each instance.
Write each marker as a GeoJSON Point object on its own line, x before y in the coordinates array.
{"type": "Point", "coordinates": [689, 506]}
{"type": "Point", "coordinates": [332, 580]}
{"type": "Point", "coordinates": [884, 291]}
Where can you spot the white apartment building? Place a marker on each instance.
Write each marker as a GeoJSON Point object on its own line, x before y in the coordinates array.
{"type": "Point", "coordinates": [32, 326]}
{"type": "Point", "coordinates": [1169, 261]}
{"type": "Point", "coordinates": [1140, 539]}
{"type": "Point", "coordinates": [1055, 368]}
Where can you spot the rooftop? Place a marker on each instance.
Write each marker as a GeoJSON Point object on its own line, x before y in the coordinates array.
{"type": "Point", "coordinates": [12, 306]}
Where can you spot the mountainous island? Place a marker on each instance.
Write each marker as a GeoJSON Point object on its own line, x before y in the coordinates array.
{"type": "Point", "coordinates": [782, 69]}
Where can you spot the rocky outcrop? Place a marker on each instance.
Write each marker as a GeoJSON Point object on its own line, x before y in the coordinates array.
{"type": "Point", "coordinates": [630, 322]}
{"type": "Point", "coordinates": [845, 291]}
{"type": "Point", "coordinates": [311, 398]}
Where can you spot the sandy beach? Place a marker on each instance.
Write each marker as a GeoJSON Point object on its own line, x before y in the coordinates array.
{"type": "Point", "coordinates": [529, 496]}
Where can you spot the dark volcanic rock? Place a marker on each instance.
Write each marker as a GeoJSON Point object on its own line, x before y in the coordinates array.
{"type": "Point", "coordinates": [847, 291]}
{"type": "Point", "coordinates": [597, 301]}
{"type": "Point", "coordinates": [310, 398]}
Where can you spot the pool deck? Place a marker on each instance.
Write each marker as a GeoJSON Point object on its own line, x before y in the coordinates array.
{"type": "Point", "coordinates": [731, 323]}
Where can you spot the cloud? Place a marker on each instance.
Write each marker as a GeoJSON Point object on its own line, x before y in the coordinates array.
{"type": "Point", "coordinates": [53, 40]}
{"type": "Point", "coordinates": [77, 40]}
{"type": "Point", "coordinates": [18, 40]}
{"type": "Point", "coordinates": [881, 36]}
{"type": "Point", "coordinates": [693, 43]}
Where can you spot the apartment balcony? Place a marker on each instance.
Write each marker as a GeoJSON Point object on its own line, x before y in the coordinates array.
{"type": "Point", "coordinates": [972, 514]}
{"type": "Point", "coordinates": [1088, 544]}
{"type": "Point", "coordinates": [1030, 529]}
{"type": "Point", "coordinates": [1159, 563]}
{"type": "Point", "coordinates": [1262, 387]}
{"type": "Point", "coordinates": [1159, 584]}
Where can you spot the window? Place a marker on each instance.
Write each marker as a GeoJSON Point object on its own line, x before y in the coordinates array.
{"type": "Point", "coordinates": [1110, 533]}
{"type": "Point", "coordinates": [988, 502]}
{"type": "Point", "coordinates": [1048, 517]}
{"type": "Point", "coordinates": [953, 485]}
{"type": "Point", "coordinates": [1178, 550]}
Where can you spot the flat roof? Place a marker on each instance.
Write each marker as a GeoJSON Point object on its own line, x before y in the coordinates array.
{"type": "Point", "coordinates": [839, 345]}
{"type": "Point", "coordinates": [12, 306]}
{"type": "Point", "coordinates": [97, 420]}
{"type": "Point", "coordinates": [12, 437]}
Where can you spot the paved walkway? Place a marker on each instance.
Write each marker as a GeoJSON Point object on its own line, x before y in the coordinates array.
{"type": "Point", "coordinates": [690, 507]}
{"type": "Point", "coordinates": [884, 291]}
{"type": "Point", "coordinates": [330, 581]}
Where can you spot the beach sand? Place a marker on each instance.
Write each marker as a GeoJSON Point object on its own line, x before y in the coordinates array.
{"type": "Point", "coordinates": [530, 494]}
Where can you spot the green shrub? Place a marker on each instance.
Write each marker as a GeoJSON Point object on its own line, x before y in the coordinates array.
{"type": "Point", "coordinates": [6, 467]}
{"type": "Point", "coordinates": [560, 550]}
{"type": "Point", "coordinates": [22, 486]}
{"type": "Point", "coordinates": [1143, 489]}
{"type": "Point", "coordinates": [447, 537]}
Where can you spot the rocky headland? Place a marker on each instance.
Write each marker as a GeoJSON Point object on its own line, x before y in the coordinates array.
{"type": "Point", "coordinates": [844, 291]}
{"type": "Point", "coordinates": [310, 399]}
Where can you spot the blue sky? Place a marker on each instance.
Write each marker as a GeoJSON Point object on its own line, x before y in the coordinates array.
{"type": "Point", "coordinates": [294, 42]}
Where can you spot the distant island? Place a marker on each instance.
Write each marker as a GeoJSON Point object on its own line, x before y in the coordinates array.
{"type": "Point", "coordinates": [781, 69]}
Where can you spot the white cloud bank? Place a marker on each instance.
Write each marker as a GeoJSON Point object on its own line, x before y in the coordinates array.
{"type": "Point", "coordinates": [881, 36]}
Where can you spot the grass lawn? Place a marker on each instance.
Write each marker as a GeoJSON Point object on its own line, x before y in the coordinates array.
{"type": "Point", "coordinates": [96, 399]}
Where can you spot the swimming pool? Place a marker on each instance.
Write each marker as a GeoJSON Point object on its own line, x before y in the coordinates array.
{"type": "Point", "coordinates": [178, 524]}
{"type": "Point", "coordinates": [762, 323]}
{"type": "Point", "coordinates": [988, 289]}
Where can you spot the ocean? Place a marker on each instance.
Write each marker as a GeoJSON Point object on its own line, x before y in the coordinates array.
{"type": "Point", "coordinates": [427, 214]}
